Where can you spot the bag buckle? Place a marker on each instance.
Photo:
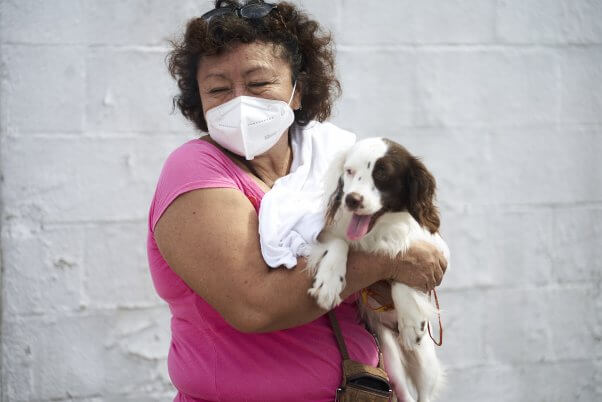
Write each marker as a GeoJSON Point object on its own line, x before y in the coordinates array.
{"type": "Point", "coordinates": [338, 394]}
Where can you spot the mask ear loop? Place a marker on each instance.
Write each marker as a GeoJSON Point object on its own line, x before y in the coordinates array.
{"type": "Point", "coordinates": [292, 94]}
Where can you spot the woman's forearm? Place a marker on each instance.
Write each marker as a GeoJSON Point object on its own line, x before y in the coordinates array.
{"type": "Point", "coordinates": [282, 300]}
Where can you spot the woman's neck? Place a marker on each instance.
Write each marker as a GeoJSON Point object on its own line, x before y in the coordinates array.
{"type": "Point", "coordinates": [267, 167]}
{"type": "Point", "coordinates": [273, 164]}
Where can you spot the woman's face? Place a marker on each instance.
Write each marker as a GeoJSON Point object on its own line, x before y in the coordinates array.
{"type": "Point", "coordinates": [252, 69]}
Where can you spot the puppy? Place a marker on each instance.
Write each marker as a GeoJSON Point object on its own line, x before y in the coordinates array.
{"type": "Point", "coordinates": [382, 199]}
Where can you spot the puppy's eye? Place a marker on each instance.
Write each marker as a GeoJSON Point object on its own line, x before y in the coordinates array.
{"type": "Point", "coordinates": [349, 172]}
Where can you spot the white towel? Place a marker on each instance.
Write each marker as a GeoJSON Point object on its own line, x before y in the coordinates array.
{"type": "Point", "coordinates": [291, 214]}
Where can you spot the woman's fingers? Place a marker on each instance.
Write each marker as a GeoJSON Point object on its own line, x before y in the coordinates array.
{"type": "Point", "coordinates": [442, 262]}
{"type": "Point", "coordinates": [421, 267]}
{"type": "Point", "coordinates": [437, 266]}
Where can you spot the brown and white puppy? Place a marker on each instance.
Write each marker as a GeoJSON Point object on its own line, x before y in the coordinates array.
{"type": "Point", "coordinates": [381, 200]}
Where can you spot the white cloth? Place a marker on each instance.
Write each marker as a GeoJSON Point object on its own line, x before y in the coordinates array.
{"type": "Point", "coordinates": [291, 214]}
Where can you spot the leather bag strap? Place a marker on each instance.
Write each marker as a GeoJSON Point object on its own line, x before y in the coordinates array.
{"type": "Point", "coordinates": [337, 333]}
{"type": "Point", "coordinates": [334, 323]}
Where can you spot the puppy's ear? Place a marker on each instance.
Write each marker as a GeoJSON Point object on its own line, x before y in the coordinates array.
{"type": "Point", "coordinates": [334, 203]}
{"type": "Point", "coordinates": [333, 186]}
{"type": "Point", "coordinates": [421, 198]}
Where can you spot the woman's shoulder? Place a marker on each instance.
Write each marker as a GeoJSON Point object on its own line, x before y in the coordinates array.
{"type": "Point", "coordinates": [197, 158]}
{"type": "Point", "coordinates": [195, 149]}
{"type": "Point", "coordinates": [196, 164]}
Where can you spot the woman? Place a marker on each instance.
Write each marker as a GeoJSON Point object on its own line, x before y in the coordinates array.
{"type": "Point", "coordinates": [242, 331]}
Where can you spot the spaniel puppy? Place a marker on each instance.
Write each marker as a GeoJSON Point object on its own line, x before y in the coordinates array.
{"type": "Point", "coordinates": [382, 199]}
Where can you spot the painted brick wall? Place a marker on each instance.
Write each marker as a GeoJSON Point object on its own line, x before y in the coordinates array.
{"type": "Point", "coordinates": [502, 99]}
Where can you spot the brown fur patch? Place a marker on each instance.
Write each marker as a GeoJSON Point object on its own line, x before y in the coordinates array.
{"type": "Point", "coordinates": [334, 203]}
{"type": "Point", "coordinates": [406, 184]}
{"type": "Point", "coordinates": [422, 193]}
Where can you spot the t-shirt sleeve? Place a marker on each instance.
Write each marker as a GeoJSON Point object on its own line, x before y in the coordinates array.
{"type": "Point", "coordinates": [192, 166]}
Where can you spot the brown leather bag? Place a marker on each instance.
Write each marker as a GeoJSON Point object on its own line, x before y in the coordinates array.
{"type": "Point", "coordinates": [361, 383]}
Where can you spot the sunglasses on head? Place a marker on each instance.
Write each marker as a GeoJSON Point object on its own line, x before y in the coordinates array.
{"type": "Point", "coordinates": [250, 11]}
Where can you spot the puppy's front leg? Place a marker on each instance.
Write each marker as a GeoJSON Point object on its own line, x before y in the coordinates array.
{"type": "Point", "coordinates": [330, 262]}
{"type": "Point", "coordinates": [413, 313]}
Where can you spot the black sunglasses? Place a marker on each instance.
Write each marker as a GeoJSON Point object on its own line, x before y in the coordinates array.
{"type": "Point", "coordinates": [250, 11]}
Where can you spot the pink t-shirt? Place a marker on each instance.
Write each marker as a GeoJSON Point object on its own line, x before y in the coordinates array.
{"type": "Point", "coordinates": [211, 361]}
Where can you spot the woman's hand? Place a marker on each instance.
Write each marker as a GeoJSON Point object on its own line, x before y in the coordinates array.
{"type": "Point", "coordinates": [421, 267]}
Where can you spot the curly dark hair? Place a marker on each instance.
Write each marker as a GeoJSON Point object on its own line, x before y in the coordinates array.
{"type": "Point", "coordinates": [298, 39]}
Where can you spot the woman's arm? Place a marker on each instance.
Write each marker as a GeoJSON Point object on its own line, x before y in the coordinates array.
{"type": "Point", "coordinates": [209, 238]}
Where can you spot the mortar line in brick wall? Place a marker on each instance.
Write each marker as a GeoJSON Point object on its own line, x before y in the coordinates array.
{"type": "Point", "coordinates": [184, 134]}
{"type": "Point", "coordinates": [16, 318]}
{"type": "Point", "coordinates": [443, 47]}
{"type": "Point", "coordinates": [101, 134]}
{"type": "Point", "coordinates": [141, 135]}
{"type": "Point", "coordinates": [131, 48]}
{"type": "Point", "coordinates": [73, 395]}
{"type": "Point", "coordinates": [478, 125]}
{"type": "Point", "coordinates": [340, 46]}
{"type": "Point", "coordinates": [555, 205]}
{"type": "Point", "coordinates": [471, 208]}
{"type": "Point", "coordinates": [82, 46]}
{"type": "Point", "coordinates": [94, 46]}
{"type": "Point", "coordinates": [60, 135]}
{"type": "Point", "coordinates": [547, 286]}
{"type": "Point", "coordinates": [81, 223]}
{"type": "Point", "coordinates": [94, 222]}
{"type": "Point", "coordinates": [513, 364]}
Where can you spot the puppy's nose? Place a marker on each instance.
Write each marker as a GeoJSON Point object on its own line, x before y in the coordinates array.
{"type": "Point", "coordinates": [353, 201]}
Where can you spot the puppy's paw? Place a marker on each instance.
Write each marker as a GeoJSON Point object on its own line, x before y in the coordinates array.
{"type": "Point", "coordinates": [327, 289]}
{"type": "Point", "coordinates": [329, 280]}
{"type": "Point", "coordinates": [412, 332]}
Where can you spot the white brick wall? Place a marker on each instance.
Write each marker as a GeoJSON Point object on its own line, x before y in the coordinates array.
{"type": "Point", "coordinates": [503, 99]}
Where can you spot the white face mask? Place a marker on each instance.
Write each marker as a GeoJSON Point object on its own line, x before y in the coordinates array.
{"type": "Point", "coordinates": [249, 126]}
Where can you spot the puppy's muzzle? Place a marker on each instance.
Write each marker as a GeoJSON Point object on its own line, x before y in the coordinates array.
{"type": "Point", "coordinates": [354, 201]}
